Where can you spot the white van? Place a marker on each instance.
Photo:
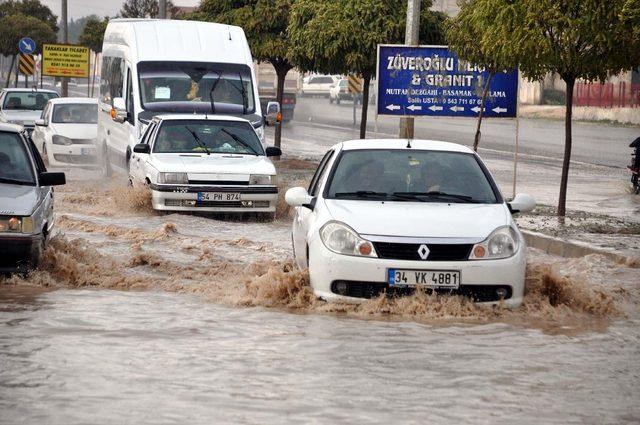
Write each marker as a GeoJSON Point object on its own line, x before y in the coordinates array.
{"type": "Point", "coordinates": [153, 66]}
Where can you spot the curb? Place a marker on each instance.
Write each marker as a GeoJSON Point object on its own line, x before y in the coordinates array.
{"type": "Point", "coordinates": [571, 249]}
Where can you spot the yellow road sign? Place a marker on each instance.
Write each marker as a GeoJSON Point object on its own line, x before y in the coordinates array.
{"type": "Point", "coordinates": [355, 84]}
{"type": "Point", "coordinates": [27, 64]}
{"type": "Point", "coordinates": [65, 60]}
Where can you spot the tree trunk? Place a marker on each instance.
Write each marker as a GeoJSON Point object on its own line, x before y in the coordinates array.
{"type": "Point", "coordinates": [13, 61]}
{"type": "Point", "coordinates": [365, 104]}
{"type": "Point", "coordinates": [476, 140]}
{"type": "Point", "coordinates": [281, 73]}
{"type": "Point", "coordinates": [562, 200]}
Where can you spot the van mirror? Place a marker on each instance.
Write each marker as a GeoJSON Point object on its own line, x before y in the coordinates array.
{"type": "Point", "coordinates": [119, 110]}
{"type": "Point", "coordinates": [522, 203]}
{"type": "Point", "coordinates": [273, 113]}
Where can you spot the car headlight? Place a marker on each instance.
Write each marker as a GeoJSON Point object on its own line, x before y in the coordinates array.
{"type": "Point", "coordinates": [342, 239]}
{"type": "Point", "coordinates": [262, 179]}
{"type": "Point", "coordinates": [501, 243]}
{"type": "Point", "coordinates": [61, 140]}
{"type": "Point", "coordinates": [173, 178]}
{"type": "Point", "coordinates": [16, 224]}
{"type": "Point", "coordinates": [260, 133]}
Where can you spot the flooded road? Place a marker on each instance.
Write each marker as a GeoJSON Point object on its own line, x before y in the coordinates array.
{"type": "Point", "coordinates": [141, 318]}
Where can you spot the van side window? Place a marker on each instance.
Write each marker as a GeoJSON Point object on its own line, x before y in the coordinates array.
{"type": "Point", "coordinates": [112, 79]}
{"type": "Point", "coordinates": [129, 98]}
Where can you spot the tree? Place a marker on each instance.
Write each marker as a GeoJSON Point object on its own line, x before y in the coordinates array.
{"type": "Point", "coordinates": [32, 8]}
{"type": "Point", "coordinates": [337, 37]}
{"type": "Point", "coordinates": [14, 27]}
{"type": "Point", "coordinates": [577, 39]}
{"type": "Point", "coordinates": [145, 9]}
{"type": "Point", "coordinates": [265, 25]}
{"type": "Point", "coordinates": [469, 34]}
{"type": "Point", "coordinates": [92, 36]}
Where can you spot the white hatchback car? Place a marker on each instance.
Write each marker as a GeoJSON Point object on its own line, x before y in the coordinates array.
{"type": "Point", "coordinates": [205, 163]}
{"type": "Point", "coordinates": [393, 215]}
{"type": "Point", "coordinates": [66, 132]}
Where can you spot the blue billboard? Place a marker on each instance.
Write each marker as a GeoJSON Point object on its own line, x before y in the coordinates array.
{"type": "Point", "coordinates": [432, 81]}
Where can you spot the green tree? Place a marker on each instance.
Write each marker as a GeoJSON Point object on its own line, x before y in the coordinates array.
{"type": "Point", "coordinates": [145, 9]}
{"type": "Point", "coordinates": [337, 37]}
{"type": "Point", "coordinates": [577, 39]}
{"type": "Point", "coordinates": [14, 27]}
{"type": "Point", "coordinates": [470, 34]}
{"type": "Point", "coordinates": [32, 8]}
{"type": "Point", "coordinates": [265, 25]}
{"type": "Point", "coordinates": [92, 36]}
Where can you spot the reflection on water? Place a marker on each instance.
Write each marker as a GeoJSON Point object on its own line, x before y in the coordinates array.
{"type": "Point", "coordinates": [88, 356]}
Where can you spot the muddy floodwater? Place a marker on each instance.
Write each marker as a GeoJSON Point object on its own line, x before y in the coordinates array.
{"type": "Point", "coordinates": [139, 318]}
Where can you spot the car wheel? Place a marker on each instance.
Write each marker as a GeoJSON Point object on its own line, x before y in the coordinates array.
{"type": "Point", "coordinates": [338, 100]}
{"type": "Point", "coordinates": [330, 99]}
{"type": "Point", "coordinates": [45, 156]}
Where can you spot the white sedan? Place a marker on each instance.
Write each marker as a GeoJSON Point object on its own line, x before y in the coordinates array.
{"type": "Point", "coordinates": [395, 215]}
{"type": "Point", "coordinates": [205, 163]}
{"type": "Point", "coordinates": [67, 130]}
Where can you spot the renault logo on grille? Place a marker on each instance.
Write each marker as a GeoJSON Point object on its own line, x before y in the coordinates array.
{"type": "Point", "coordinates": [423, 251]}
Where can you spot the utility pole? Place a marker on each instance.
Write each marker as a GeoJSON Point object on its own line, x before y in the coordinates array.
{"type": "Point", "coordinates": [65, 39]}
{"type": "Point", "coordinates": [162, 6]}
{"type": "Point", "coordinates": [411, 37]}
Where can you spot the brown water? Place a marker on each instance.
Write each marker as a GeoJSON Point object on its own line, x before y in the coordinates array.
{"type": "Point", "coordinates": [139, 318]}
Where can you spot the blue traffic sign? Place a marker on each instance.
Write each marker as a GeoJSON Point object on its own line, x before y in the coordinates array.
{"type": "Point", "coordinates": [27, 45]}
{"type": "Point", "coordinates": [431, 80]}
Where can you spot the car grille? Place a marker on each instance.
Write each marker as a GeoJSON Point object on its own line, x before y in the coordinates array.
{"type": "Point", "coordinates": [478, 293]}
{"type": "Point", "coordinates": [215, 204]}
{"type": "Point", "coordinates": [409, 251]}
{"type": "Point", "coordinates": [76, 159]}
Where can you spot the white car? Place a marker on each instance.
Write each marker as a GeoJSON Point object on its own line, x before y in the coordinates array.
{"type": "Point", "coordinates": [67, 130]}
{"type": "Point", "coordinates": [318, 85]}
{"type": "Point", "coordinates": [393, 215]}
{"type": "Point", "coordinates": [24, 106]}
{"type": "Point", "coordinates": [205, 163]}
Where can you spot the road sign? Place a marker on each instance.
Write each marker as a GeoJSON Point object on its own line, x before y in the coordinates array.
{"type": "Point", "coordinates": [27, 45]}
{"type": "Point", "coordinates": [431, 80]}
{"type": "Point", "coordinates": [355, 84]}
{"type": "Point", "coordinates": [65, 60]}
{"type": "Point", "coordinates": [27, 64]}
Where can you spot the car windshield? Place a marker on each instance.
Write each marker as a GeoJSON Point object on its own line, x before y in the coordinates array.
{"type": "Point", "coordinates": [410, 175]}
{"type": "Point", "coordinates": [27, 100]}
{"type": "Point", "coordinates": [191, 136]}
{"type": "Point", "coordinates": [196, 82]}
{"type": "Point", "coordinates": [15, 165]}
{"type": "Point", "coordinates": [75, 113]}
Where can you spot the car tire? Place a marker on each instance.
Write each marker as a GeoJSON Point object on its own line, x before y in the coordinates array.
{"type": "Point", "coordinates": [45, 155]}
{"type": "Point", "coordinates": [330, 100]}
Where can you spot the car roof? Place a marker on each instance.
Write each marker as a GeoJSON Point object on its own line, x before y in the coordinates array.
{"type": "Point", "coordinates": [10, 128]}
{"type": "Point", "coordinates": [203, 117]}
{"type": "Point", "coordinates": [14, 89]}
{"type": "Point", "coordinates": [63, 100]}
{"type": "Point", "coordinates": [417, 144]}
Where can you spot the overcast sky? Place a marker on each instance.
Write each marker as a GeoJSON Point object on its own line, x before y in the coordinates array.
{"type": "Point", "coordinates": [80, 8]}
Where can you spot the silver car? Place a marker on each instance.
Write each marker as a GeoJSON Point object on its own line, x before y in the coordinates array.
{"type": "Point", "coordinates": [26, 201]}
{"type": "Point", "coordinates": [24, 106]}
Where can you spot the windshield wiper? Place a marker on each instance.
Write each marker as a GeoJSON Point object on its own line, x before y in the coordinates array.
{"type": "Point", "coordinates": [435, 194]}
{"type": "Point", "coordinates": [239, 140]}
{"type": "Point", "coordinates": [213, 87]}
{"type": "Point", "coordinates": [13, 181]}
{"type": "Point", "coordinates": [198, 141]}
{"type": "Point", "coordinates": [361, 194]}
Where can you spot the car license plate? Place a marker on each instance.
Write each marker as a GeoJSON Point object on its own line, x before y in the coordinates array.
{"type": "Point", "coordinates": [218, 196]}
{"type": "Point", "coordinates": [427, 278]}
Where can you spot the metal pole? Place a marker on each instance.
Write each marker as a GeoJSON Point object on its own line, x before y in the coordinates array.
{"type": "Point", "coordinates": [353, 96]}
{"type": "Point", "coordinates": [65, 39]}
{"type": "Point", "coordinates": [411, 37]}
{"type": "Point", "coordinates": [515, 152]}
{"type": "Point", "coordinates": [162, 9]}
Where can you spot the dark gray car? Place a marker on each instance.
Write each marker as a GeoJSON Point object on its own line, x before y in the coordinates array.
{"type": "Point", "coordinates": [26, 201]}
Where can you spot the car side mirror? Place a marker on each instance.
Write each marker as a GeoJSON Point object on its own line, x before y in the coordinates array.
{"type": "Point", "coordinates": [273, 113]}
{"type": "Point", "coordinates": [143, 148]}
{"type": "Point", "coordinates": [40, 122]}
{"type": "Point", "coordinates": [522, 203]}
{"type": "Point", "coordinates": [273, 151]}
{"type": "Point", "coordinates": [298, 197]}
{"type": "Point", "coordinates": [119, 110]}
{"type": "Point", "coordinates": [52, 179]}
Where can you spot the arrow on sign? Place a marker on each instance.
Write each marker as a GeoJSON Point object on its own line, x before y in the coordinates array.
{"type": "Point", "coordinates": [457, 108]}
{"type": "Point", "coordinates": [414, 108]}
{"type": "Point", "coordinates": [499, 110]}
{"type": "Point", "coordinates": [476, 109]}
{"type": "Point", "coordinates": [436, 108]}
{"type": "Point", "coordinates": [393, 107]}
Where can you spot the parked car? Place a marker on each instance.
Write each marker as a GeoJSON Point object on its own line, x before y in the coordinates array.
{"type": "Point", "coordinates": [317, 85]}
{"type": "Point", "coordinates": [340, 91]}
{"type": "Point", "coordinates": [24, 106]}
{"type": "Point", "coordinates": [67, 130]}
{"type": "Point", "coordinates": [205, 163]}
{"type": "Point", "coordinates": [394, 215]}
{"type": "Point", "coordinates": [26, 201]}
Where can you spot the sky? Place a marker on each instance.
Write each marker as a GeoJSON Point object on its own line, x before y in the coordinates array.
{"type": "Point", "coordinates": [79, 8]}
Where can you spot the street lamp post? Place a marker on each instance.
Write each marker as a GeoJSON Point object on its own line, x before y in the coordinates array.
{"type": "Point", "coordinates": [411, 37]}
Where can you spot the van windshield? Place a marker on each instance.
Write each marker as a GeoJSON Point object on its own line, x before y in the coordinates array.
{"type": "Point", "coordinates": [198, 82]}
